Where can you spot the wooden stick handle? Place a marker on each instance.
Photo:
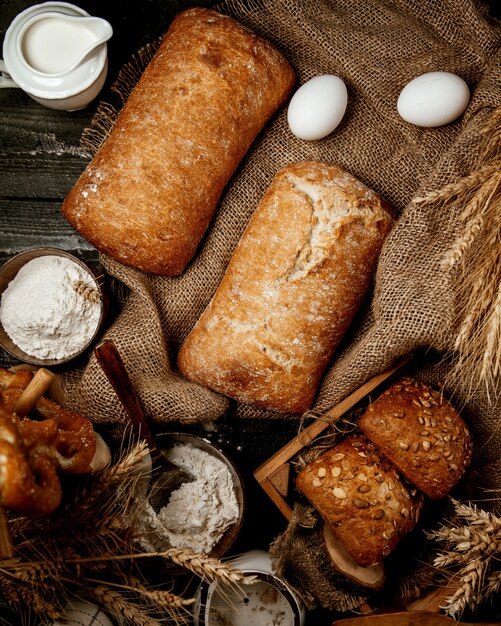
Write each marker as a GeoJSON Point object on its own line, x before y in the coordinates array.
{"type": "Point", "coordinates": [112, 365]}
{"type": "Point", "coordinates": [6, 547]}
{"type": "Point", "coordinates": [114, 368]}
{"type": "Point", "coordinates": [434, 600]}
{"type": "Point", "coordinates": [36, 387]}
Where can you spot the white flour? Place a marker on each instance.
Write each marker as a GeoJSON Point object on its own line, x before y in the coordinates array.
{"type": "Point", "coordinates": [199, 512]}
{"type": "Point", "coordinates": [42, 312]}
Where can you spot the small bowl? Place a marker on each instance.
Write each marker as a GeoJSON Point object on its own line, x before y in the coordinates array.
{"type": "Point", "coordinates": [269, 600]}
{"type": "Point", "coordinates": [8, 272]}
{"type": "Point", "coordinates": [165, 441]}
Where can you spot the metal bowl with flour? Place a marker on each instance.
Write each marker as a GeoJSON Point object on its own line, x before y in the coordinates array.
{"type": "Point", "coordinates": [206, 514]}
{"type": "Point", "coordinates": [269, 601]}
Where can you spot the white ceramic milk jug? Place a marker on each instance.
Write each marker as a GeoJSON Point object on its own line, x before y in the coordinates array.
{"type": "Point", "coordinates": [57, 53]}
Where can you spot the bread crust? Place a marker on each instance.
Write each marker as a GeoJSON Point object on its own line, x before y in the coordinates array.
{"type": "Point", "coordinates": [294, 283]}
{"type": "Point", "coordinates": [150, 192]}
{"type": "Point", "coordinates": [366, 502]}
{"type": "Point", "coordinates": [422, 434]}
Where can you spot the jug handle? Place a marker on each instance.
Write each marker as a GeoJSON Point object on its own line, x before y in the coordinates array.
{"type": "Point", "coordinates": [5, 79]}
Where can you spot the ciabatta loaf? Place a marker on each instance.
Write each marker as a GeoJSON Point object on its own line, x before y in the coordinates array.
{"type": "Point", "coordinates": [295, 281]}
{"type": "Point", "coordinates": [149, 194]}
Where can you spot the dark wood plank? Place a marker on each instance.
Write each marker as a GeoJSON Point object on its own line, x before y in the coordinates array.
{"type": "Point", "coordinates": [28, 223]}
{"type": "Point", "coordinates": [40, 155]}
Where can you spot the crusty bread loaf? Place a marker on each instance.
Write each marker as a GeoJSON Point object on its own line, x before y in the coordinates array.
{"type": "Point", "coordinates": [295, 281]}
{"type": "Point", "coordinates": [149, 194]}
{"type": "Point", "coordinates": [422, 434]}
{"type": "Point", "coordinates": [368, 505]}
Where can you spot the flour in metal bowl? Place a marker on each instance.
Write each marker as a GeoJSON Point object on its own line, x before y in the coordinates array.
{"type": "Point", "coordinates": [199, 512]}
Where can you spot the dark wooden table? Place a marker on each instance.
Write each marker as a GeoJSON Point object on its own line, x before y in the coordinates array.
{"type": "Point", "coordinates": [40, 160]}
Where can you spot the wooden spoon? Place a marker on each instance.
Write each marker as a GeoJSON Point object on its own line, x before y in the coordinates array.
{"type": "Point", "coordinates": [37, 386]}
{"type": "Point", "coordinates": [170, 476]}
{"type": "Point", "coordinates": [406, 618]}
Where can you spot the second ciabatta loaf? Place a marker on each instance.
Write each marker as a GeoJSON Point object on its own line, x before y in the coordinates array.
{"type": "Point", "coordinates": [295, 281]}
{"type": "Point", "coordinates": [149, 194]}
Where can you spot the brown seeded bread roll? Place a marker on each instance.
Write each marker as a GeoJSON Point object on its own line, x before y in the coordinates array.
{"type": "Point", "coordinates": [422, 434]}
{"type": "Point", "coordinates": [372, 577]}
{"type": "Point", "coordinates": [295, 281]}
{"type": "Point", "coordinates": [368, 505]}
{"type": "Point", "coordinates": [149, 194]}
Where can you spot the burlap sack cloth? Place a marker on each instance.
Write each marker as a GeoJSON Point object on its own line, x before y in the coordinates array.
{"type": "Point", "coordinates": [376, 47]}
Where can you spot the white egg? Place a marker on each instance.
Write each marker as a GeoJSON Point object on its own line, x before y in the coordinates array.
{"type": "Point", "coordinates": [433, 99]}
{"type": "Point", "coordinates": [317, 107]}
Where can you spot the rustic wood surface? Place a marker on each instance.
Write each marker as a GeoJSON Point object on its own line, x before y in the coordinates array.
{"type": "Point", "coordinates": [41, 159]}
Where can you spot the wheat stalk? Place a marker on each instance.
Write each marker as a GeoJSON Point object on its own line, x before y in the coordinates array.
{"type": "Point", "coordinates": [88, 546]}
{"type": "Point", "coordinates": [207, 567]}
{"type": "Point", "coordinates": [472, 550]}
{"type": "Point", "coordinates": [160, 597]}
{"type": "Point", "coordinates": [115, 602]}
{"type": "Point", "coordinates": [469, 581]}
{"type": "Point", "coordinates": [463, 243]}
{"type": "Point", "coordinates": [492, 585]}
{"type": "Point", "coordinates": [126, 468]}
{"type": "Point", "coordinates": [35, 571]}
{"type": "Point", "coordinates": [34, 597]}
{"type": "Point", "coordinates": [160, 601]}
{"type": "Point", "coordinates": [177, 606]}
{"type": "Point", "coordinates": [462, 186]}
{"type": "Point", "coordinates": [473, 263]}
{"type": "Point", "coordinates": [40, 604]}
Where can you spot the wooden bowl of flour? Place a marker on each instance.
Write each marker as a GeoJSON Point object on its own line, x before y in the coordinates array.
{"type": "Point", "coordinates": [74, 342]}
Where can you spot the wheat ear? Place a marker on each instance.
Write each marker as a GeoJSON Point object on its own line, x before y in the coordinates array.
{"type": "Point", "coordinates": [473, 544]}
{"type": "Point", "coordinates": [160, 597]}
{"type": "Point", "coordinates": [207, 567]}
{"type": "Point", "coordinates": [117, 604]}
{"type": "Point", "coordinates": [473, 263]}
{"type": "Point", "coordinates": [462, 186]}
